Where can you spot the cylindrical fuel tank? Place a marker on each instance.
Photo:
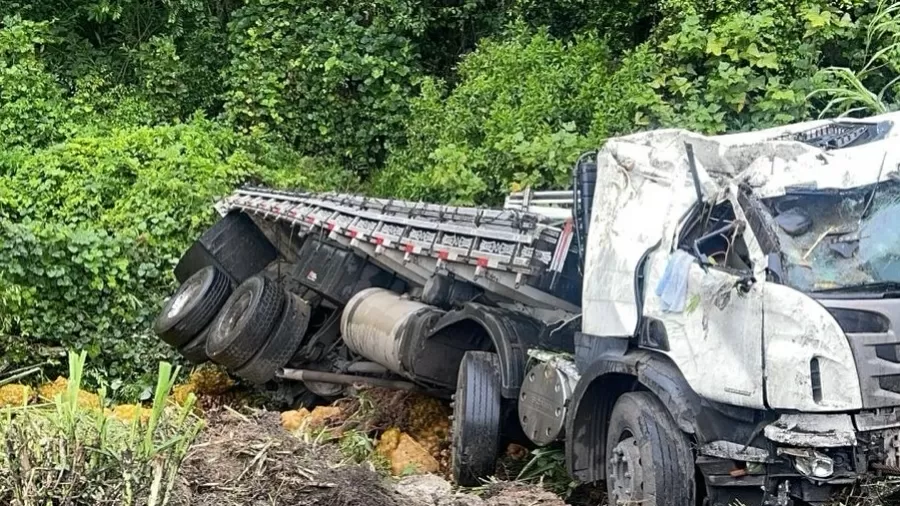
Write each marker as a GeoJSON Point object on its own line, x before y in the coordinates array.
{"type": "Point", "coordinates": [378, 323]}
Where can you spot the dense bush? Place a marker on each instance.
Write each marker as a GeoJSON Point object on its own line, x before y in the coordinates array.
{"type": "Point", "coordinates": [516, 116]}
{"type": "Point", "coordinates": [332, 79]}
{"type": "Point", "coordinates": [120, 120]}
{"type": "Point", "coordinates": [32, 111]}
{"type": "Point", "coordinates": [744, 70]}
{"type": "Point", "coordinates": [90, 230]}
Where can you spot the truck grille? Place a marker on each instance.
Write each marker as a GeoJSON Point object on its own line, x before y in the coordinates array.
{"type": "Point", "coordinates": [870, 324]}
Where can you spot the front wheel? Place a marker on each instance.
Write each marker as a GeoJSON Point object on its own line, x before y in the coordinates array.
{"type": "Point", "coordinates": [649, 459]}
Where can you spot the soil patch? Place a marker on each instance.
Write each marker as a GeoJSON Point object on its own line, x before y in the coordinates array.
{"type": "Point", "coordinates": [240, 460]}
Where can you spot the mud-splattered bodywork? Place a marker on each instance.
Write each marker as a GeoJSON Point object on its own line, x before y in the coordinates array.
{"type": "Point", "coordinates": [767, 269]}
{"type": "Point", "coordinates": [740, 335]}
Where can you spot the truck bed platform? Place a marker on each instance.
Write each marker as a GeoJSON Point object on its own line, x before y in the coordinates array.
{"type": "Point", "coordinates": [522, 256]}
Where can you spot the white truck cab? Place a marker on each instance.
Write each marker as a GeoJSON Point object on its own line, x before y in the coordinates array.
{"type": "Point", "coordinates": [765, 272]}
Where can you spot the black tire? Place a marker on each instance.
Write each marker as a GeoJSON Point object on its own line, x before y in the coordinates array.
{"type": "Point", "coordinates": [281, 345]}
{"type": "Point", "coordinates": [245, 322]}
{"type": "Point", "coordinates": [192, 307]}
{"type": "Point", "coordinates": [649, 459]}
{"type": "Point", "coordinates": [476, 418]}
{"type": "Point", "coordinates": [195, 350]}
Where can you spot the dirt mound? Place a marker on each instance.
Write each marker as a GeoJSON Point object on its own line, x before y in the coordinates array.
{"type": "Point", "coordinates": [517, 494]}
{"type": "Point", "coordinates": [241, 460]}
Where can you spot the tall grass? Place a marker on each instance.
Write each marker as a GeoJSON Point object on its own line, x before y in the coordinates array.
{"type": "Point", "coordinates": [848, 90]}
{"type": "Point", "coordinates": [70, 452]}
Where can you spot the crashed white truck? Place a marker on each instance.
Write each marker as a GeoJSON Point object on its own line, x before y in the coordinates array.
{"type": "Point", "coordinates": [699, 320]}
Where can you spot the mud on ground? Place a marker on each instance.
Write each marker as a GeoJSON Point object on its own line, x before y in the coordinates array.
{"type": "Point", "coordinates": [240, 460]}
{"type": "Point", "coordinates": [250, 459]}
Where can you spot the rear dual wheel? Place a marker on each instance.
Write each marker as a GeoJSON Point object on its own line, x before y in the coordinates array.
{"type": "Point", "coordinates": [259, 330]}
{"type": "Point", "coordinates": [245, 322]}
{"type": "Point", "coordinates": [184, 320]}
{"type": "Point", "coordinates": [281, 345]}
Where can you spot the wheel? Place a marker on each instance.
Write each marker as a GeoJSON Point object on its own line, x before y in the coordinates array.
{"type": "Point", "coordinates": [281, 345]}
{"type": "Point", "coordinates": [245, 322]}
{"type": "Point", "coordinates": [476, 418]}
{"type": "Point", "coordinates": [649, 459]}
{"type": "Point", "coordinates": [193, 306]}
{"type": "Point", "coordinates": [195, 350]}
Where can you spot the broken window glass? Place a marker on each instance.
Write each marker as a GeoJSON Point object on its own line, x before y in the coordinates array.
{"type": "Point", "coordinates": [714, 235]}
{"type": "Point", "coordinates": [837, 239]}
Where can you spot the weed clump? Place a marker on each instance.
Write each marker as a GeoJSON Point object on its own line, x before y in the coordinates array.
{"type": "Point", "coordinates": [68, 450]}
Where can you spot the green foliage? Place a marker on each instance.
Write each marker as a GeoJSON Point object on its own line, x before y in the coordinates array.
{"type": "Point", "coordinates": [547, 466]}
{"type": "Point", "coordinates": [90, 230]}
{"type": "Point", "coordinates": [32, 111]}
{"type": "Point", "coordinates": [67, 452]}
{"type": "Point", "coordinates": [516, 116]}
{"type": "Point", "coordinates": [331, 79]}
{"type": "Point", "coordinates": [120, 120]}
{"type": "Point", "coordinates": [622, 24]}
{"type": "Point", "coordinates": [743, 71]}
{"type": "Point", "coordinates": [850, 89]}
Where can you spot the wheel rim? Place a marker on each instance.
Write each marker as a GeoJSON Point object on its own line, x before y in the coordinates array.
{"type": "Point", "coordinates": [237, 311]}
{"type": "Point", "coordinates": [181, 300]}
{"type": "Point", "coordinates": [626, 477]}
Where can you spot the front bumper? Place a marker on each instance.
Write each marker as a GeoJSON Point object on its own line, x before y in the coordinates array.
{"type": "Point", "coordinates": [803, 456]}
{"type": "Point", "coordinates": [859, 444]}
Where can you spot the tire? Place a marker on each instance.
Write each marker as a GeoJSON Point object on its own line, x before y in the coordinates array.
{"type": "Point", "coordinates": [192, 307]}
{"type": "Point", "coordinates": [476, 418]}
{"type": "Point", "coordinates": [281, 345]}
{"type": "Point", "coordinates": [195, 350]}
{"type": "Point", "coordinates": [649, 459]}
{"type": "Point", "coordinates": [245, 322]}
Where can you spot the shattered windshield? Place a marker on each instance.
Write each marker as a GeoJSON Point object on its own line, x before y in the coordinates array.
{"type": "Point", "coordinates": [834, 239]}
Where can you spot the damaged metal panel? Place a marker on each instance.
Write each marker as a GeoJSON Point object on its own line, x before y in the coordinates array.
{"type": "Point", "coordinates": [717, 340]}
{"type": "Point", "coordinates": [809, 363]}
{"type": "Point", "coordinates": [812, 430]}
{"type": "Point", "coordinates": [643, 189]}
{"type": "Point", "coordinates": [734, 451]}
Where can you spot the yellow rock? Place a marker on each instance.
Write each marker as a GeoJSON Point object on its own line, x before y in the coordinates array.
{"type": "Point", "coordinates": [309, 420]}
{"type": "Point", "coordinates": [129, 412]}
{"type": "Point", "coordinates": [321, 415]}
{"type": "Point", "coordinates": [49, 392]}
{"type": "Point", "coordinates": [405, 454]}
{"type": "Point", "coordinates": [293, 420]}
{"type": "Point", "coordinates": [180, 393]}
{"type": "Point", "coordinates": [411, 457]}
{"type": "Point", "coordinates": [429, 423]}
{"type": "Point", "coordinates": [14, 395]}
{"type": "Point", "coordinates": [388, 442]}
{"type": "Point", "coordinates": [210, 381]}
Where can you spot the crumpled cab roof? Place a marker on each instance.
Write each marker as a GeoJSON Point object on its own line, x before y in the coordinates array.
{"type": "Point", "coordinates": [645, 188]}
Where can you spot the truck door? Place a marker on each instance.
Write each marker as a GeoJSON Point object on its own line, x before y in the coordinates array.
{"type": "Point", "coordinates": [714, 324]}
